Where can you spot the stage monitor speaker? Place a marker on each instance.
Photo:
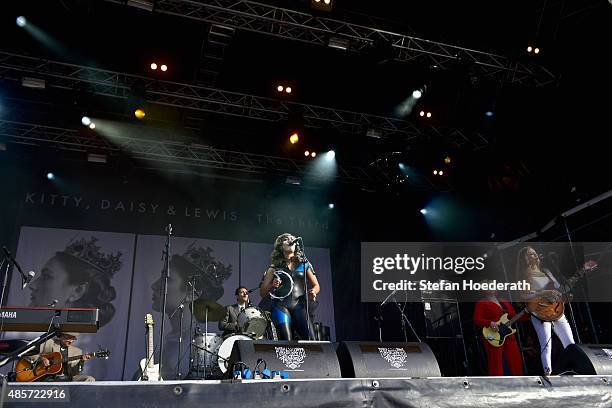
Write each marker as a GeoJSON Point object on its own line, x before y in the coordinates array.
{"type": "Point", "coordinates": [367, 359]}
{"type": "Point", "coordinates": [586, 359]}
{"type": "Point", "coordinates": [300, 359]}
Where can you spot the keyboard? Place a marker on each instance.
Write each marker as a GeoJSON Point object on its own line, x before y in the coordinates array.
{"type": "Point", "coordinates": [38, 319]}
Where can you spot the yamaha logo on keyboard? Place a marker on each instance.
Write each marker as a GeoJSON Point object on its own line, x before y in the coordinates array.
{"type": "Point", "coordinates": [8, 315]}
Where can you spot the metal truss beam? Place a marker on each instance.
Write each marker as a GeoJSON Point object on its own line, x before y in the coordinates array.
{"type": "Point", "coordinates": [187, 96]}
{"type": "Point", "coordinates": [172, 152]}
{"type": "Point", "coordinates": [300, 26]}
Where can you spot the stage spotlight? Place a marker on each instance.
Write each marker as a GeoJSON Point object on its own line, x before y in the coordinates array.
{"type": "Point", "coordinates": [153, 66]}
{"type": "Point", "coordinates": [447, 159]}
{"type": "Point", "coordinates": [330, 206]}
{"type": "Point", "coordinates": [331, 155]}
{"type": "Point", "coordinates": [21, 21]}
{"type": "Point", "coordinates": [323, 5]}
{"type": "Point", "coordinates": [435, 172]}
{"type": "Point", "coordinates": [313, 154]}
{"type": "Point", "coordinates": [85, 120]}
{"type": "Point", "coordinates": [424, 211]}
{"type": "Point", "coordinates": [288, 89]}
{"type": "Point", "coordinates": [294, 138]}
{"type": "Point", "coordinates": [50, 176]}
{"type": "Point", "coordinates": [139, 113]}
{"type": "Point", "coordinates": [164, 67]}
{"type": "Point", "coordinates": [402, 166]}
{"type": "Point", "coordinates": [428, 114]}
{"type": "Point", "coordinates": [306, 153]}
{"type": "Point", "coordinates": [416, 94]}
{"type": "Point", "coordinates": [92, 126]}
{"type": "Point", "coordinates": [489, 113]}
{"type": "Point", "coordinates": [422, 113]}
{"type": "Point", "coordinates": [529, 48]}
{"type": "Point", "coordinates": [536, 50]}
{"type": "Point", "coordinates": [441, 173]}
{"type": "Point", "coordinates": [280, 88]}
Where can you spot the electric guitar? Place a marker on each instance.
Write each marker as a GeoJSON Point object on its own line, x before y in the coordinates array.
{"type": "Point", "coordinates": [150, 371]}
{"type": "Point", "coordinates": [504, 329]}
{"type": "Point", "coordinates": [29, 372]}
{"type": "Point", "coordinates": [549, 305]}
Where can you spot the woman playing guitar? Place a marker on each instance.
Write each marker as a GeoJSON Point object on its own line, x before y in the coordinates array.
{"type": "Point", "coordinates": [545, 302]}
{"type": "Point", "coordinates": [488, 313]}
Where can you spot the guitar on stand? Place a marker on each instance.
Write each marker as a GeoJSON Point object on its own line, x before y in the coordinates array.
{"type": "Point", "coordinates": [150, 370]}
{"type": "Point", "coordinates": [549, 305]}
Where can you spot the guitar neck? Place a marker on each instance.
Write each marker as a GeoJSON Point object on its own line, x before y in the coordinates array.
{"type": "Point", "coordinates": [150, 362]}
{"type": "Point", "coordinates": [516, 317]}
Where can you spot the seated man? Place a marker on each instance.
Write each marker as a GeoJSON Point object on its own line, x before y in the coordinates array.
{"type": "Point", "coordinates": [229, 324]}
{"type": "Point", "coordinates": [63, 344]}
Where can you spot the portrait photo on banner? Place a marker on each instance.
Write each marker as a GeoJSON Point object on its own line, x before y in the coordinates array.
{"type": "Point", "coordinates": [79, 269]}
{"type": "Point", "coordinates": [211, 265]}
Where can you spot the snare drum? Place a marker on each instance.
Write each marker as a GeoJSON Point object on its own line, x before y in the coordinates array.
{"type": "Point", "coordinates": [205, 358]}
{"type": "Point", "coordinates": [252, 322]}
{"type": "Point", "coordinates": [225, 351]}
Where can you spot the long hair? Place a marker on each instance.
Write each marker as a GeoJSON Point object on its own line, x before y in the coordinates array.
{"type": "Point", "coordinates": [522, 264]}
{"type": "Point", "coordinates": [100, 292]}
{"type": "Point", "coordinates": [277, 257]}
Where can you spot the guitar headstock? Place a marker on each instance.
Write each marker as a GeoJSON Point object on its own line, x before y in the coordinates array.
{"type": "Point", "coordinates": [588, 267]}
{"type": "Point", "coordinates": [149, 319]}
{"type": "Point", "coordinates": [102, 353]}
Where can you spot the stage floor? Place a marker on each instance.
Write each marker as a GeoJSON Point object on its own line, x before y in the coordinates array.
{"type": "Point", "coordinates": [555, 391]}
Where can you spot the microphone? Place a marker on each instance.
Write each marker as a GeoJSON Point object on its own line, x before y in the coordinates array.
{"type": "Point", "coordinates": [387, 298]}
{"type": "Point", "coordinates": [294, 241]}
{"type": "Point", "coordinates": [25, 279]}
{"type": "Point", "coordinates": [28, 279]}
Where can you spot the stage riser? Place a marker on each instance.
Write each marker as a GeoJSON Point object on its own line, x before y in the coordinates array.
{"type": "Point", "coordinates": [559, 392]}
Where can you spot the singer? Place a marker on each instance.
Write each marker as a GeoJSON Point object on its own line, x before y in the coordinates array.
{"type": "Point", "coordinates": [229, 324]}
{"type": "Point", "coordinates": [290, 312]}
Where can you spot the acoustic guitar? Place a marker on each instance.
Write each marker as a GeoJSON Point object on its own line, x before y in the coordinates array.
{"type": "Point", "coordinates": [549, 305]}
{"type": "Point", "coordinates": [29, 372]}
{"type": "Point", "coordinates": [505, 329]}
{"type": "Point", "coordinates": [150, 370]}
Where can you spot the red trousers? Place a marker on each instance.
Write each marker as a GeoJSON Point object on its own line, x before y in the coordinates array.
{"type": "Point", "coordinates": [509, 351]}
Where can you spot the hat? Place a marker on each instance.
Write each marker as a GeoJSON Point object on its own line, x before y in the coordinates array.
{"type": "Point", "coordinates": [72, 334]}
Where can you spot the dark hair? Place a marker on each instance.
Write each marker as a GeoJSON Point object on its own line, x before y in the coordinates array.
{"type": "Point", "coordinates": [99, 293]}
{"type": "Point", "coordinates": [277, 257]}
{"type": "Point", "coordinates": [238, 289]}
{"type": "Point", "coordinates": [522, 263]}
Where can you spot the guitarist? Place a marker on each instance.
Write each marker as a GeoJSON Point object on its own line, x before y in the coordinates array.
{"type": "Point", "coordinates": [64, 345]}
{"type": "Point", "coordinates": [487, 312]}
{"type": "Point", "coordinates": [543, 282]}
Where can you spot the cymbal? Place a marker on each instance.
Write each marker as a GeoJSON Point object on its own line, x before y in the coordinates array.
{"type": "Point", "coordinates": [216, 312]}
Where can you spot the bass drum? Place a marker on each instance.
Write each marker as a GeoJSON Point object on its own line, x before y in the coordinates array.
{"type": "Point", "coordinates": [205, 351]}
{"type": "Point", "coordinates": [252, 322]}
{"type": "Point", "coordinates": [225, 351]}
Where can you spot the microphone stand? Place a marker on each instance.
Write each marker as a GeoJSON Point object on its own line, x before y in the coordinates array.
{"type": "Point", "coordinates": [180, 307]}
{"type": "Point", "coordinates": [404, 321]}
{"type": "Point", "coordinates": [166, 273]}
{"type": "Point", "coordinates": [9, 258]}
{"type": "Point", "coordinates": [305, 263]}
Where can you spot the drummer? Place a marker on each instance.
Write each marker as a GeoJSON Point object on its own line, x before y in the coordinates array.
{"type": "Point", "coordinates": [229, 324]}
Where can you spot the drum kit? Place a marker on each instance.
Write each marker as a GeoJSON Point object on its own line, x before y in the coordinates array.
{"type": "Point", "coordinates": [211, 351]}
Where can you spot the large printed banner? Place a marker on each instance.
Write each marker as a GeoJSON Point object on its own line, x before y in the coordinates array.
{"type": "Point", "coordinates": [121, 274]}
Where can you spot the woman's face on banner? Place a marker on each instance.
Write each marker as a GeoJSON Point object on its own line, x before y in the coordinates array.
{"type": "Point", "coordinates": [51, 284]}
{"type": "Point", "coordinates": [176, 292]}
